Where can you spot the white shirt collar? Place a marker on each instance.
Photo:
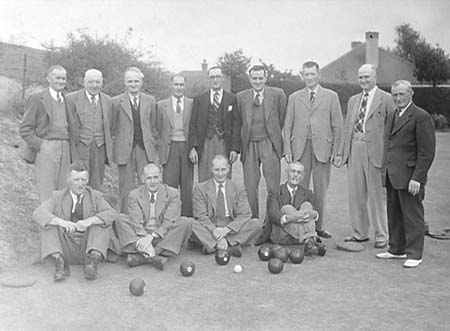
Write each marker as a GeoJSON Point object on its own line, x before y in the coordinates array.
{"type": "Point", "coordinates": [217, 185]}
{"type": "Point", "coordinates": [174, 103]}
{"type": "Point", "coordinates": [371, 92]}
{"type": "Point", "coordinates": [261, 93]}
{"type": "Point", "coordinates": [134, 96]}
{"type": "Point", "coordinates": [54, 94]}
{"type": "Point", "coordinates": [150, 194]}
{"type": "Point", "coordinates": [290, 189]}
{"type": "Point", "coordinates": [313, 90]}
{"type": "Point", "coordinates": [402, 111]}
{"type": "Point", "coordinates": [89, 96]}
{"type": "Point", "coordinates": [212, 93]}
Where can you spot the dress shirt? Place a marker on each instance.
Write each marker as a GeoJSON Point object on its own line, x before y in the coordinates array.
{"type": "Point", "coordinates": [261, 96]}
{"type": "Point", "coordinates": [227, 213]}
{"type": "Point", "coordinates": [212, 93]}
{"type": "Point", "coordinates": [132, 98]}
{"type": "Point", "coordinates": [54, 94]}
{"type": "Point", "coordinates": [315, 90]}
{"type": "Point", "coordinates": [174, 103]}
{"type": "Point", "coordinates": [75, 199]}
{"type": "Point", "coordinates": [152, 205]}
{"type": "Point", "coordinates": [402, 110]}
{"type": "Point", "coordinates": [89, 96]}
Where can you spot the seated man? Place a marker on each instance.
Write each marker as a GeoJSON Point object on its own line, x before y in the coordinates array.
{"type": "Point", "coordinates": [153, 228]}
{"type": "Point", "coordinates": [291, 215]}
{"type": "Point", "coordinates": [222, 213]}
{"type": "Point", "coordinates": [76, 225]}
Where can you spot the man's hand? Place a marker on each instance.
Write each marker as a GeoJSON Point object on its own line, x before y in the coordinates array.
{"type": "Point", "coordinates": [220, 233]}
{"type": "Point", "coordinates": [222, 244]}
{"type": "Point", "coordinates": [288, 158]}
{"type": "Point", "coordinates": [68, 226]}
{"type": "Point", "coordinates": [144, 245]}
{"type": "Point", "coordinates": [233, 156]}
{"type": "Point", "coordinates": [83, 225]}
{"type": "Point", "coordinates": [193, 156]}
{"type": "Point", "coordinates": [337, 161]}
{"type": "Point", "coordinates": [413, 187]}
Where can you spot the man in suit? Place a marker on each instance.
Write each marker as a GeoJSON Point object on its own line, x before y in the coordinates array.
{"type": "Point", "coordinates": [291, 214]}
{"type": "Point", "coordinates": [173, 119]}
{"type": "Point", "coordinates": [312, 132]}
{"type": "Point", "coordinates": [153, 229]}
{"type": "Point", "coordinates": [134, 133]}
{"type": "Point", "coordinates": [92, 111]}
{"type": "Point", "coordinates": [257, 126]}
{"type": "Point", "coordinates": [211, 125]}
{"type": "Point", "coordinates": [222, 213]}
{"type": "Point", "coordinates": [362, 149]}
{"type": "Point", "coordinates": [409, 147]}
{"type": "Point", "coordinates": [76, 225]}
{"type": "Point", "coordinates": [50, 133]}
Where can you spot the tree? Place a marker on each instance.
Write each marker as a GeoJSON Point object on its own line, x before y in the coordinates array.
{"type": "Point", "coordinates": [235, 64]}
{"type": "Point", "coordinates": [432, 63]}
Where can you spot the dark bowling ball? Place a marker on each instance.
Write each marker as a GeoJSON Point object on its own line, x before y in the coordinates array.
{"type": "Point", "coordinates": [275, 265]}
{"type": "Point", "coordinates": [297, 255]}
{"type": "Point", "coordinates": [281, 254]}
{"type": "Point", "coordinates": [222, 257]}
{"type": "Point", "coordinates": [187, 268]}
{"type": "Point", "coordinates": [137, 287]}
{"type": "Point", "coordinates": [265, 253]}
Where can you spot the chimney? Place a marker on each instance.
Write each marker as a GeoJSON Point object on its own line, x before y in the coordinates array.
{"type": "Point", "coordinates": [356, 44]}
{"type": "Point", "coordinates": [204, 66]}
{"type": "Point", "coordinates": [372, 48]}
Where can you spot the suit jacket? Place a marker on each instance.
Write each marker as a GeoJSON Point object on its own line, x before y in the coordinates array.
{"type": "Point", "coordinates": [167, 209]}
{"type": "Point", "coordinates": [60, 205]}
{"type": "Point", "coordinates": [123, 128]}
{"type": "Point", "coordinates": [36, 124]}
{"type": "Point", "coordinates": [274, 110]}
{"type": "Point", "coordinates": [382, 105]}
{"type": "Point", "coordinates": [76, 102]}
{"type": "Point", "coordinates": [165, 122]}
{"type": "Point", "coordinates": [325, 118]}
{"type": "Point", "coordinates": [204, 205]}
{"type": "Point", "coordinates": [409, 147]}
{"type": "Point", "coordinates": [198, 124]}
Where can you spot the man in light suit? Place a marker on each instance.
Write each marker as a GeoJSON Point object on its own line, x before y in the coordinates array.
{"type": "Point", "coordinates": [409, 148]}
{"type": "Point", "coordinates": [134, 135]}
{"type": "Point", "coordinates": [257, 126]}
{"type": "Point", "coordinates": [312, 132]}
{"type": "Point", "coordinates": [92, 111]}
{"type": "Point", "coordinates": [211, 126]}
{"type": "Point", "coordinates": [173, 118]}
{"type": "Point", "coordinates": [76, 225]}
{"type": "Point", "coordinates": [222, 213]}
{"type": "Point", "coordinates": [362, 149]}
{"type": "Point", "coordinates": [153, 229]}
{"type": "Point", "coordinates": [49, 131]}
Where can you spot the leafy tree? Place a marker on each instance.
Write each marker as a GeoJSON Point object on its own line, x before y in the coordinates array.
{"type": "Point", "coordinates": [236, 64]}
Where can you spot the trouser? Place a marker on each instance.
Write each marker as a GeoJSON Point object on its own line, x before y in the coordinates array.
{"type": "Point", "coordinates": [75, 247]}
{"type": "Point", "coordinates": [178, 234]}
{"type": "Point", "coordinates": [321, 179]}
{"type": "Point", "coordinates": [260, 152]}
{"type": "Point", "coordinates": [406, 221]}
{"type": "Point", "coordinates": [179, 172]}
{"type": "Point", "coordinates": [246, 234]}
{"type": "Point", "coordinates": [95, 157]}
{"type": "Point", "coordinates": [212, 147]}
{"type": "Point", "coordinates": [52, 163]}
{"type": "Point", "coordinates": [128, 174]}
{"type": "Point", "coordinates": [366, 196]}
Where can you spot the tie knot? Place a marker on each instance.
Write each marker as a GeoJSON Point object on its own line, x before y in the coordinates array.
{"type": "Point", "coordinates": [366, 95]}
{"type": "Point", "coordinates": [152, 197]}
{"type": "Point", "coordinates": [178, 97]}
{"type": "Point", "coordinates": [59, 97]}
{"type": "Point", "coordinates": [93, 99]}
{"type": "Point", "coordinates": [220, 186]}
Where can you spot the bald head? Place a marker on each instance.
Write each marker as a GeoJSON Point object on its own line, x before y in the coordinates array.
{"type": "Point", "coordinates": [152, 176]}
{"type": "Point", "coordinates": [93, 81]}
{"type": "Point", "coordinates": [367, 77]}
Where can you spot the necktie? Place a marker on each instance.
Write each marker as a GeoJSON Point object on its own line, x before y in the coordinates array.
{"type": "Point", "coordinates": [362, 114]}
{"type": "Point", "coordinates": [135, 103]}
{"type": "Point", "coordinates": [59, 97]}
{"type": "Point", "coordinates": [257, 100]}
{"type": "Point", "coordinates": [93, 99]}
{"type": "Point", "coordinates": [294, 190]}
{"type": "Point", "coordinates": [312, 97]}
{"type": "Point", "coordinates": [77, 210]}
{"type": "Point", "coordinates": [220, 206]}
{"type": "Point", "coordinates": [178, 107]}
{"type": "Point", "coordinates": [152, 197]}
{"type": "Point", "coordinates": [216, 102]}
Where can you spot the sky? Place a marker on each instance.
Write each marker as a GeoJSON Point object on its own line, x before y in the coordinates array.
{"type": "Point", "coordinates": [182, 33]}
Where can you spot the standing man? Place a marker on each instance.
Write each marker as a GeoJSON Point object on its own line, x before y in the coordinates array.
{"type": "Point", "coordinates": [409, 147]}
{"type": "Point", "coordinates": [174, 115]}
{"type": "Point", "coordinates": [211, 126]}
{"type": "Point", "coordinates": [312, 132]}
{"type": "Point", "coordinates": [92, 111]}
{"type": "Point", "coordinates": [134, 134]}
{"type": "Point", "coordinates": [257, 126]}
{"type": "Point", "coordinates": [49, 132]}
{"type": "Point", "coordinates": [362, 149]}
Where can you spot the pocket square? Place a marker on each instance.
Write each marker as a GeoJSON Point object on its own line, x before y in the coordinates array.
{"type": "Point", "coordinates": [230, 107]}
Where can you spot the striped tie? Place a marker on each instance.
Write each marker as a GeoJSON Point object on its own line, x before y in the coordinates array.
{"type": "Point", "coordinates": [362, 114]}
{"type": "Point", "coordinates": [216, 102]}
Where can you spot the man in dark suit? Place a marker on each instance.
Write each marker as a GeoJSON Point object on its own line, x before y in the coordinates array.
{"type": "Point", "coordinates": [49, 131]}
{"type": "Point", "coordinates": [134, 133]}
{"type": "Point", "coordinates": [290, 212]}
{"type": "Point", "coordinates": [257, 125]}
{"type": "Point", "coordinates": [92, 111]}
{"type": "Point", "coordinates": [76, 225]}
{"type": "Point", "coordinates": [153, 229]}
{"type": "Point", "coordinates": [211, 125]}
{"type": "Point", "coordinates": [409, 147]}
{"type": "Point", "coordinates": [173, 116]}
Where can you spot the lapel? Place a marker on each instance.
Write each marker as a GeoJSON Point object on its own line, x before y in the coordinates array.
{"type": "Point", "coordinates": [186, 114]}
{"type": "Point", "coordinates": [168, 108]}
{"type": "Point", "coordinates": [125, 102]}
{"type": "Point", "coordinates": [376, 102]}
{"type": "Point", "coordinates": [144, 110]}
{"type": "Point", "coordinates": [66, 204]}
{"type": "Point", "coordinates": [161, 200]}
{"type": "Point", "coordinates": [230, 194]}
{"type": "Point", "coordinates": [46, 99]}
{"type": "Point", "coordinates": [355, 109]}
{"type": "Point", "coordinates": [87, 204]}
{"type": "Point", "coordinates": [402, 120]}
{"type": "Point", "coordinates": [144, 201]}
{"type": "Point", "coordinates": [304, 98]}
{"type": "Point", "coordinates": [79, 103]}
{"type": "Point", "coordinates": [248, 104]}
{"type": "Point", "coordinates": [389, 125]}
{"type": "Point", "coordinates": [285, 196]}
{"type": "Point", "coordinates": [320, 96]}
{"type": "Point", "coordinates": [103, 106]}
{"type": "Point", "coordinates": [267, 102]}
{"type": "Point", "coordinates": [211, 194]}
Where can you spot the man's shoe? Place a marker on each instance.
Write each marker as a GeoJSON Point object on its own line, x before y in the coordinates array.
{"type": "Point", "coordinates": [159, 262]}
{"type": "Point", "coordinates": [356, 240]}
{"type": "Point", "coordinates": [321, 249]}
{"type": "Point", "coordinates": [387, 255]}
{"type": "Point", "coordinates": [134, 260]}
{"type": "Point", "coordinates": [62, 269]}
{"type": "Point", "coordinates": [381, 244]}
{"type": "Point", "coordinates": [324, 234]}
{"type": "Point", "coordinates": [90, 268]}
{"type": "Point", "coordinates": [235, 250]}
{"type": "Point", "coordinates": [411, 263]}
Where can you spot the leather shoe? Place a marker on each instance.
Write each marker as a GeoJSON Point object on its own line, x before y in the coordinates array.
{"type": "Point", "coordinates": [62, 269]}
{"type": "Point", "coordinates": [387, 255]}
{"type": "Point", "coordinates": [159, 262]}
{"type": "Point", "coordinates": [324, 234]}
{"type": "Point", "coordinates": [321, 249]}
{"type": "Point", "coordinates": [356, 240]}
{"type": "Point", "coordinates": [412, 263]}
{"type": "Point", "coordinates": [90, 268]}
{"type": "Point", "coordinates": [381, 244]}
{"type": "Point", "coordinates": [134, 260]}
{"type": "Point", "coordinates": [235, 250]}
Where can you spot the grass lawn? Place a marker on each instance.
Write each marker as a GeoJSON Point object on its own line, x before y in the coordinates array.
{"type": "Point", "coordinates": [340, 291]}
